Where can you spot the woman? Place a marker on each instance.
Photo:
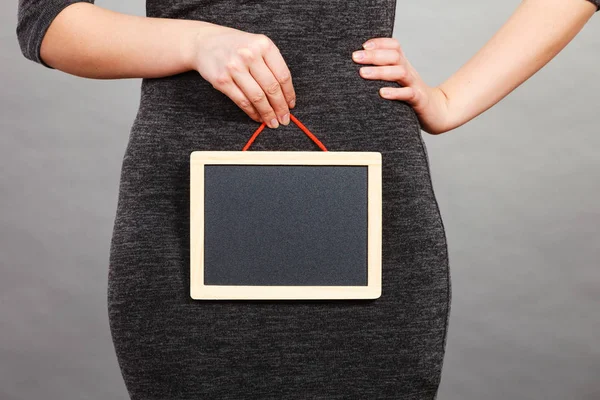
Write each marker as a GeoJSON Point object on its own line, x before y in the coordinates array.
{"type": "Point", "coordinates": [209, 67]}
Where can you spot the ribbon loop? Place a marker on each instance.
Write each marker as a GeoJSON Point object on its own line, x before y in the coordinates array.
{"type": "Point", "coordinates": [297, 122]}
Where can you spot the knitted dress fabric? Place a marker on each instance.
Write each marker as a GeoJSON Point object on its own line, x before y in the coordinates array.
{"type": "Point", "coordinates": [170, 346]}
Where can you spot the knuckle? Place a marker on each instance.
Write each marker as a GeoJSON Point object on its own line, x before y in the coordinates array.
{"type": "Point", "coordinates": [413, 94]}
{"type": "Point", "coordinates": [246, 54]}
{"type": "Point", "coordinates": [263, 41]}
{"type": "Point", "coordinates": [285, 78]}
{"type": "Point", "coordinates": [401, 72]}
{"type": "Point", "coordinates": [245, 103]}
{"type": "Point", "coordinates": [233, 66]}
{"type": "Point", "coordinates": [280, 108]}
{"type": "Point", "coordinates": [273, 88]}
{"type": "Point", "coordinates": [222, 79]}
{"type": "Point", "coordinates": [257, 97]}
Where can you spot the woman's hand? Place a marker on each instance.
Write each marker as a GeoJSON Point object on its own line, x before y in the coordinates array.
{"type": "Point", "coordinates": [534, 34]}
{"type": "Point", "coordinates": [90, 41]}
{"type": "Point", "coordinates": [249, 69]}
{"type": "Point", "coordinates": [429, 103]}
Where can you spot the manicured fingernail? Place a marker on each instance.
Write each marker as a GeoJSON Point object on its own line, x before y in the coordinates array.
{"type": "Point", "coordinates": [369, 45]}
{"type": "Point", "coordinates": [286, 119]}
{"type": "Point", "coordinates": [274, 123]}
{"type": "Point", "coordinates": [358, 55]}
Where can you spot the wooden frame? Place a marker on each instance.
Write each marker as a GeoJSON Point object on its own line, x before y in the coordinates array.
{"type": "Point", "coordinates": [199, 291]}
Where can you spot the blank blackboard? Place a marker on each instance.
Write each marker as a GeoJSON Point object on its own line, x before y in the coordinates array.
{"type": "Point", "coordinates": [266, 225]}
{"type": "Point", "coordinates": [285, 225]}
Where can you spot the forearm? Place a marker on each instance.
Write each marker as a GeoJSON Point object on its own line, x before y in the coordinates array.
{"type": "Point", "coordinates": [93, 42]}
{"type": "Point", "coordinates": [534, 34]}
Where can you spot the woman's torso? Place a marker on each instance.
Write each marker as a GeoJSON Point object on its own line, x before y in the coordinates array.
{"type": "Point", "coordinates": [170, 346]}
{"type": "Point", "coordinates": [316, 40]}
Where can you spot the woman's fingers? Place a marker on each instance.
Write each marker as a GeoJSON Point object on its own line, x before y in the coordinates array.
{"type": "Point", "coordinates": [253, 91]}
{"type": "Point", "coordinates": [377, 56]}
{"type": "Point", "coordinates": [271, 87]}
{"type": "Point", "coordinates": [381, 43]}
{"type": "Point", "coordinates": [249, 69]}
{"type": "Point", "coordinates": [231, 90]}
{"type": "Point", "coordinates": [274, 78]}
{"type": "Point", "coordinates": [408, 94]}
{"type": "Point", "coordinates": [396, 73]}
{"type": "Point", "coordinates": [266, 86]}
{"type": "Point", "coordinates": [389, 64]}
{"type": "Point", "coordinates": [275, 62]}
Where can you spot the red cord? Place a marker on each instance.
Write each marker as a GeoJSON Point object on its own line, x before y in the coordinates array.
{"type": "Point", "coordinates": [300, 125]}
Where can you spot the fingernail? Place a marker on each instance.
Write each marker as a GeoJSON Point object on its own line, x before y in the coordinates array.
{"type": "Point", "coordinates": [369, 45]}
{"type": "Point", "coordinates": [286, 119]}
{"type": "Point", "coordinates": [292, 103]}
{"type": "Point", "coordinates": [366, 71]}
{"type": "Point", "coordinates": [274, 123]}
{"type": "Point", "coordinates": [358, 55]}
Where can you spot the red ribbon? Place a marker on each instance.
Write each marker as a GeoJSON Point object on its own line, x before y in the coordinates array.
{"type": "Point", "coordinates": [300, 125]}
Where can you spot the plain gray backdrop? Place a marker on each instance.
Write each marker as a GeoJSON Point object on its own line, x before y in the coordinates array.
{"type": "Point", "coordinates": [518, 188]}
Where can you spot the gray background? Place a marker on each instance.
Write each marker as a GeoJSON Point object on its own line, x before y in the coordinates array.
{"type": "Point", "coordinates": [518, 189]}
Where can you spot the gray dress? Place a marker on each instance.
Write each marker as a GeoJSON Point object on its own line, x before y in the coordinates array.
{"type": "Point", "coordinates": [172, 347]}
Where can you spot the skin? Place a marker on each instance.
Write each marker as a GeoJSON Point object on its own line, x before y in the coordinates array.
{"type": "Point", "coordinates": [93, 42]}
{"type": "Point", "coordinates": [89, 41]}
{"type": "Point", "coordinates": [533, 35]}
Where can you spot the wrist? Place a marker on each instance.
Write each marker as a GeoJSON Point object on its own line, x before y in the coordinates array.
{"type": "Point", "coordinates": [435, 113]}
{"type": "Point", "coordinates": [191, 46]}
{"type": "Point", "coordinates": [454, 117]}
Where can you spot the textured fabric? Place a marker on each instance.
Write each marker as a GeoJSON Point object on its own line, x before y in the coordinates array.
{"type": "Point", "coordinates": [172, 347]}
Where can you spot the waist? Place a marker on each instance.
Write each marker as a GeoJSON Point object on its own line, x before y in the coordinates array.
{"type": "Point", "coordinates": [321, 81]}
{"type": "Point", "coordinates": [340, 107]}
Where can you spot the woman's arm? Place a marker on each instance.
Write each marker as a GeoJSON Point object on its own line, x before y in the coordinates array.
{"type": "Point", "coordinates": [93, 42]}
{"type": "Point", "coordinates": [532, 36]}
{"type": "Point", "coordinates": [79, 38]}
{"type": "Point", "coordinates": [536, 32]}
